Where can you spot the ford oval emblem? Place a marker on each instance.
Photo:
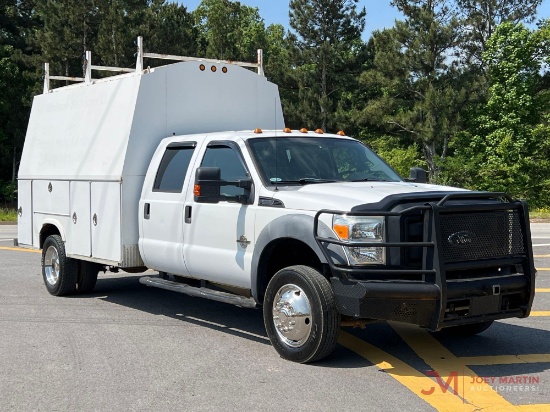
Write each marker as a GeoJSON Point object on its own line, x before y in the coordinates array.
{"type": "Point", "coordinates": [462, 238]}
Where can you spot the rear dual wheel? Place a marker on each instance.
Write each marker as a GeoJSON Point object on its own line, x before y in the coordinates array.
{"type": "Point", "coordinates": [63, 275]}
{"type": "Point", "coordinates": [59, 271]}
{"type": "Point", "coordinates": [300, 314]}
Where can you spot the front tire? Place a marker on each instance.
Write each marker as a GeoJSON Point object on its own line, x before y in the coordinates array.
{"type": "Point", "coordinates": [300, 314]}
{"type": "Point", "coordinates": [59, 271]}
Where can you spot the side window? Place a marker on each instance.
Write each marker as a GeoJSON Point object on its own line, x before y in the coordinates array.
{"type": "Point", "coordinates": [172, 169]}
{"type": "Point", "coordinates": [231, 167]}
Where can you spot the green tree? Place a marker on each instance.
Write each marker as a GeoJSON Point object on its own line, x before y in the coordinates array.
{"type": "Point", "coordinates": [171, 29]}
{"type": "Point", "coordinates": [69, 28]}
{"type": "Point", "coordinates": [481, 17]}
{"type": "Point", "coordinates": [229, 30]}
{"type": "Point", "coordinates": [278, 68]}
{"type": "Point", "coordinates": [14, 110]}
{"type": "Point", "coordinates": [118, 24]}
{"type": "Point", "coordinates": [17, 21]}
{"type": "Point", "coordinates": [326, 35]}
{"type": "Point", "coordinates": [512, 147]}
{"type": "Point", "coordinates": [416, 88]}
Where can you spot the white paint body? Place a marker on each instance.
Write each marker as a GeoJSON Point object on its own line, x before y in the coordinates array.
{"type": "Point", "coordinates": [91, 144]}
{"type": "Point", "coordinates": [92, 153]}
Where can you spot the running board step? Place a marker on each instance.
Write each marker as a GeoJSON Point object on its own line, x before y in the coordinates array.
{"type": "Point", "coordinates": [206, 293]}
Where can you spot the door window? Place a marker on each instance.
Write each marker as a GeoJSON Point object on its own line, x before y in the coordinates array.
{"type": "Point", "coordinates": [173, 168]}
{"type": "Point", "coordinates": [231, 167]}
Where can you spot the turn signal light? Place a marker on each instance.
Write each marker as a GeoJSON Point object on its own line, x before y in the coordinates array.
{"type": "Point", "coordinates": [197, 190]}
{"type": "Point", "coordinates": [342, 231]}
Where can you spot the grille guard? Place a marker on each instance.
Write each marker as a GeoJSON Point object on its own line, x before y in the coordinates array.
{"type": "Point", "coordinates": [434, 265]}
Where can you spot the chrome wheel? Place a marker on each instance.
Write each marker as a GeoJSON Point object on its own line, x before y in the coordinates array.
{"type": "Point", "coordinates": [51, 265]}
{"type": "Point", "coordinates": [292, 315]}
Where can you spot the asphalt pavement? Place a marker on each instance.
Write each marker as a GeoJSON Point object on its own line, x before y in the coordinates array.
{"type": "Point", "coordinates": [126, 347]}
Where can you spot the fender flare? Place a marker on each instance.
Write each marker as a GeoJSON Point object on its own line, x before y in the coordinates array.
{"type": "Point", "coordinates": [53, 222]}
{"type": "Point", "coordinates": [294, 226]}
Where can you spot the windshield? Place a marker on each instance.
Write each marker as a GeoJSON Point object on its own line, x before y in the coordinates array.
{"type": "Point", "coordinates": [302, 160]}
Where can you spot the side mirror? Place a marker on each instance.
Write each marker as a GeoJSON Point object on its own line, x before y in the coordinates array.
{"type": "Point", "coordinates": [207, 185]}
{"type": "Point", "coordinates": [418, 175]}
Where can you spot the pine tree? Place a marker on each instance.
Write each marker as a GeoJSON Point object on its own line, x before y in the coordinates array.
{"type": "Point", "coordinates": [69, 29]}
{"type": "Point", "coordinates": [419, 95]}
{"type": "Point", "coordinates": [481, 17]}
{"type": "Point", "coordinates": [326, 36]}
{"type": "Point", "coordinates": [229, 30]}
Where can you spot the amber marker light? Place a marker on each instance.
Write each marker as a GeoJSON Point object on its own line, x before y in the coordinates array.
{"type": "Point", "coordinates": [287, 130]}
{"type": "Point", "coordinates": [197, 190]}
{"type": "Point", "coordinates": [202, 67]}
{"type": "Point", "coordinates": [341, 133]}
{"type": "Point", "coordinates": [342, 231]}
{"type": "Point", "coordinates": [258, 130]}
{"type": "Point", "coordinates": [303, 130]}
{"type": "Point", "coordinates": [213, 68]}
{"type": "Point", "coordinates": [319, 131]}
{"type": "Point", "coordinates": [224, 69]}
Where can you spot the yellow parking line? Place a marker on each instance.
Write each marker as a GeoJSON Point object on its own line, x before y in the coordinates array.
{"type": "Point", "coordinates": [20, 249]}
{"type": "Point", "coordinates": [543, 269]}
{"type": "Point", "coordinates": [541, 256]}
{"type": "Point", "coordinates": [479, 395]}
{"type": "Point", "coordinates": [540, 313]}
{"type": "Point", "coordinates": [533, 408]}
{"type": "Point", "coordinates": [414, 380]}
{"type": "Point", "coordinates": [505, 359]}
{"type": "Point", "coordinates": [542, 290]}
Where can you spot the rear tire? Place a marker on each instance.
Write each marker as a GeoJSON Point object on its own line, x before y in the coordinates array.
{"type": "Point", "coordinates": [58, 271]}
{"type": "Point", "coordinates": [300, 314]}
{"type": "Point", "coordinates": [87, 276]}
{"type": "Point", "coordinates": [466, 330]}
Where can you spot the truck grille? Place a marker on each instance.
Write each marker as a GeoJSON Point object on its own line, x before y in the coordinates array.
{"type": "Point", "coordinates": [481, 235]}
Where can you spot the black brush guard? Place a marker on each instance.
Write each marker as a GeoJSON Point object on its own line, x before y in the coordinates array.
{"type": "Point", "coordinates": [476, 264]}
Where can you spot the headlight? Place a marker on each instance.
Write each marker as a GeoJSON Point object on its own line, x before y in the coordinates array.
{"type": "Point", "coordinates": [361, 229]}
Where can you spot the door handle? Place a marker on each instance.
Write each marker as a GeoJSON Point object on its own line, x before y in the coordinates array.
{"type": "Point", "coordinates": [187, 214]}
{"type": "Point", "coordinates": [146, 211]}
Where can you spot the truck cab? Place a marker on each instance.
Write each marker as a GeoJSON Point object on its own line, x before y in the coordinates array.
{"type": "Point", "coordinates": [240, 211]}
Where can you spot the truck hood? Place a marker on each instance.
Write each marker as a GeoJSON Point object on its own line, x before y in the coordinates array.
{"type": "Point", "coordinates": [346, 195]}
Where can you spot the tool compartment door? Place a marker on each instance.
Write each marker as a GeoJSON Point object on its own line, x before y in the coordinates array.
{"type": "Point", "coordinates": [24, 210]}
{"type": "Point", "coordinates": [79, 231]}
{"type": "Point", "coordinates": [105, 215]}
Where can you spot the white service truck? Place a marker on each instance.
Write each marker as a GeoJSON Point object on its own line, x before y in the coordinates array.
{"type": "Point", "coordinates": [148, 169]}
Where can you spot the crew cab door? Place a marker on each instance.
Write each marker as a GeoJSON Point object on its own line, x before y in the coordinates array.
{"type": "Point", "coordinates": [219, 237]}
{"type": "Point", "coordinates": [162, 208]}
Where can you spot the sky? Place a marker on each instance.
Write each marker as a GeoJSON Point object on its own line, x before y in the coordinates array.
{"type": "Point", "coordinates": [379, 12]}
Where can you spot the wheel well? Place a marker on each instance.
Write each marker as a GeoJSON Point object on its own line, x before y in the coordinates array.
{"type": "Point", "coordinates": [282, 253]}
{"type": "Point", "coordinates": [47, 230]}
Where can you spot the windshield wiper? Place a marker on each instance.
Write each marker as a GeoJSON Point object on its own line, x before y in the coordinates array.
{"type": "Point", "coordinates": [370, 179]}
{"type": "Point", "coordinates": [307, 180]}
{"type": "Point", "coordinates": [303, 181]}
